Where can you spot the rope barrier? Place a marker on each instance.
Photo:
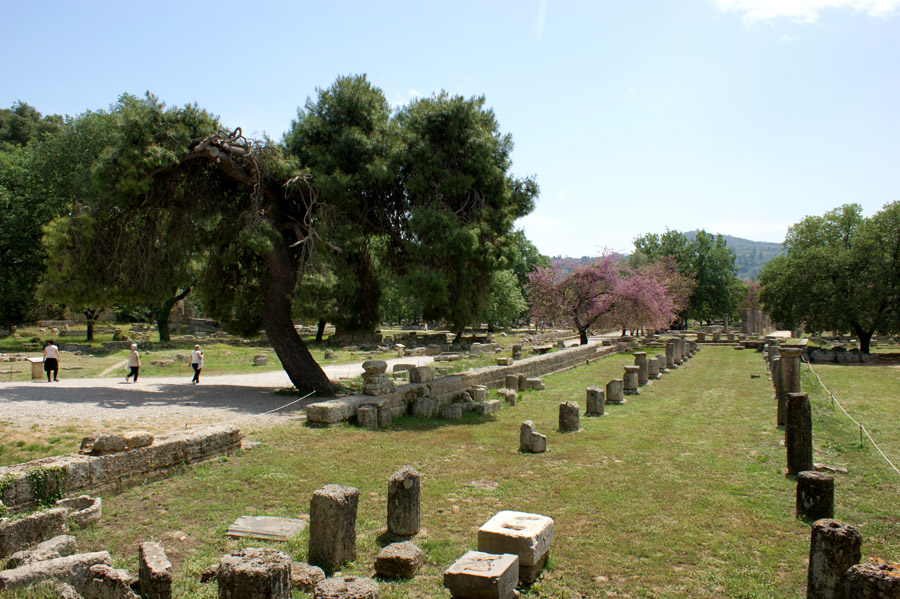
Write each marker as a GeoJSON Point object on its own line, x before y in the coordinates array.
{"type": "Point", "coordinates": [862, 429]}
{"type": "Point", "coordinates": [289, 404]}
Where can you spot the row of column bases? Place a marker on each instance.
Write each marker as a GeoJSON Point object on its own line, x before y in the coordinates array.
{"type": "Point", "coordinates": [834, 570]}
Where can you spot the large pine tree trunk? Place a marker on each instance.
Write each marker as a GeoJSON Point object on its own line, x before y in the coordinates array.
{"type": "Point", "coordinates": [299, 364]}
{"type": "Point", "coordinates": [865, 338]}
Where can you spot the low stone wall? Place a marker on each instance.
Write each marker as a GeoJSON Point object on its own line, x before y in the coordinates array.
{"type": "Point", "coordinates": [450, 388]}
{"type": "Point", "coordinates": [113, 472]}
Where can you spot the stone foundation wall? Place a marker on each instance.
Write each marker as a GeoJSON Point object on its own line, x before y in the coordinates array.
{"type": "Point", "coordinates": [450, 388]}
{"type": "Point", "coordinates": [114, 472]}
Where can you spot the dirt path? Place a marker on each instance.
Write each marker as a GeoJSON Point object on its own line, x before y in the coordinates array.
{"type": "Point", "coordinates": [163, 404]}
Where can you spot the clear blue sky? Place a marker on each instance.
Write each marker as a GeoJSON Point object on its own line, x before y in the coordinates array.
{"type": "Point", "coordinates": [736, 116]}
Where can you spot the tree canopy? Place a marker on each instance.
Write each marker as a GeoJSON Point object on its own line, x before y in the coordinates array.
{"type": "Point", "coordinates": [840, 271]}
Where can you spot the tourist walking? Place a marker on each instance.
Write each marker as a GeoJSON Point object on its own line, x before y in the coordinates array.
{"type": "Point", "coordinates": [51, 360]}
{"type": "Point", "coordinates": [134, 363]}
{"type": "Point", "coordinates": [196, 363]}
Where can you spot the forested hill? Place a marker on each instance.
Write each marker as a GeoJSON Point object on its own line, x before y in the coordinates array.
{"type": "Point", "coordinates": [749, 256]}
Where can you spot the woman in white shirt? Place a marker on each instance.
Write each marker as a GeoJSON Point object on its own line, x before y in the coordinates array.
{"type": "Point", "coordinates": [51, 360]}
{"type": "Point", "coordinates": [196, 363]}
{"type": "Point", "coordinates": [134, 363]}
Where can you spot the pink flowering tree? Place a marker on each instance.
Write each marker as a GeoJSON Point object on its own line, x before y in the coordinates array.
{"type": "Point", "coordinates": [584, 298]}
{"type": "Point", "coordinates": [643, 301]}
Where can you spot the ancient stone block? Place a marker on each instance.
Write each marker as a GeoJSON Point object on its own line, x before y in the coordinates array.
{"type": "Point", "coordinates": [615, 391]}
{"type": "Point", "coordinates": [833, 548]}
{"type": "Point", "coordinates": [403, 502]}
{"type": "Point", "coordinates": [385, 417]}
{"type": "Point", "coordinates": [815, 496]}
{"type": "Point", "coordinates": [528, 536]}
{"type": "Point", "coordinates": [873, 579]}
{"type": "Point", "coordinates": [569, 421]}
{"type": "Point", "coordinates": [104, 443]}
{"type": "Point", "coordinates": [640, 360]}
{"type": "Point", "coordinates": [374, 366]}
{"type": "Point", "coordinates": [24, 533]}
{"type": "Point", "coordinates": [260, 360]}
{"type": "Point", "coordinates": [135, 439]}
{"type": "Point", "coordinates": [452, 412]}
{"type": "Point", "coordinates": [367, 416]}
{"type": "Point", "coordinates": [305, 577]}
{"type": "Point", "coordinates": [424, 407]}
{"type": "Point", "coordinates": [59, 546]}
{"type": "Point", "coordinates": [106, 582]}
{"type": "Point", "coordinates": [798, 433]}
{"type": "Point", "coordinates": [154, 571]}
{"type": "Point", "coordinates": [73, 570]}
{"type": "Point", "coordinates": [512, 381]}
{"type": "Point", "coordinates": [255, 573]}
{"type": "Point", "coordinates": [530, 441]}
{"type": "Point", "coordinates": [347, 587]}
{"type": "Point", "coordinates": [83, 510]}
{"type": "Point", "coordinates": [596, 401]}
{"type": "Point", "coordinates": [661, 363]}
{"type": "Point", "coordinates": [403, 368]}
{"type": "Point", "coordinates": [485, 408]}
{"type": "Point", "coordinates": [332, 526]}
{"type": "Point", "coordinates": [653, 368]}
{"type": "Point", "coordinates": [670, 354]}
{"type": "Point", "coordinates": [478, 575]}
{"type": "Point", "coordinates": [510, 396]}
{"type": "Point", "coordinates": [523, 381]}
{"type": "Point", "coordinates": [399, 560]}
{"type": "Point", "coordinates": [421, 374]}
{"type": "Point", "coordinates": [478, 393]}
{"type": "Point", "coordinates": [504, 361]}
{"type": "Point", "coordinates": [534, 383]}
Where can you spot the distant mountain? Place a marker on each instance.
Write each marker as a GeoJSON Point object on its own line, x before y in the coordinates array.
{"type": "Point", "coordinates": [749, 255]}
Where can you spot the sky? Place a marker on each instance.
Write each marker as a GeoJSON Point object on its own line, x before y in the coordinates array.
{"type": "Point", "coordinates": [739, 117]}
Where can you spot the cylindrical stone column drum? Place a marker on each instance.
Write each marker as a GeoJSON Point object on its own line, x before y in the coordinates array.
{"type": "Point", "coordinates": [640, 360]}
{"type": "Point", "coordinates": [403, 502]}
{"type": "Point", "coordinates": [631, 380]}
{"type": "Point", "coordinates": [615, 391]}
{"type": "Point", "coordinates": [653, 368]}
{"type": "Point", "coordinates": [569, 419]}
{"type": "Point", "coordinates": [670, 354]}
{"type": "Point", "coordinates": [873, 579]}
{"type": "Point", "coordinates": [332, 526]}
{"type": "Point", "coordinates": [596, 401]}
{"type": "Point", "coordinates": [255, 573]}
{"type": "Point", "coordinates": [815, 495]}
{"type": "Point", "coordinates": [661, 360]}
{"type": "Point", "coordinates": [798, 434]}
{"type": "Point", "coordinates": [833, 548]}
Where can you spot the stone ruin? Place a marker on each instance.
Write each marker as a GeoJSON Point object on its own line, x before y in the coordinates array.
{"type": "Point", "coordinates": [531, 441]}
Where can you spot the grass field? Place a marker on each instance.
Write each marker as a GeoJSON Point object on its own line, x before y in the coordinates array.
{"type": "Point", "coordinates": [678, 493]}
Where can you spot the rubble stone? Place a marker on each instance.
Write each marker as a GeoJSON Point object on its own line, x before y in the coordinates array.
{"type": "Point", "coordinates": [154, 571]}
{"type": "Point", "coordinates": [106, 582]}
{"type": "Point", "coordinates": [73, 570]}
{"type": "Point", "coordinates": [399, 560]}
{"type": "Point", "coordinates": [873, 579]}
{"type": "Point", "coordinates": [255, 573]}
{"type": "Point", "coordinates": [59, 546]}
{"type": "Point", "coordinates": [347, 587]}
{"type": "Point", "coordinates": [16, 535]}
{"type": "Point", "coordinates": [305, 577]}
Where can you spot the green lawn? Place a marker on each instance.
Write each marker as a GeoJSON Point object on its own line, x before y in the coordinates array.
{"type": "Point", "coordinates": [678, 493]}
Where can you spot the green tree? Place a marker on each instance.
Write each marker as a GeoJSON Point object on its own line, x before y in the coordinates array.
{"type": "Point", "coordinates": [839, 271]}
{"type": "Point", "coordinates": [505, 303]}
{"type": "Point", "coordinates": [462, 204]}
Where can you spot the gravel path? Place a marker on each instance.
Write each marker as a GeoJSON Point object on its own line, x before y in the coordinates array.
{"type": "Point", "coordinates": [163, 404]}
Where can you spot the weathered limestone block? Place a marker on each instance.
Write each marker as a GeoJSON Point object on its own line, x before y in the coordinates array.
{"type": "Point", "coordinates": [367, 416]}
{"type": "Point", "coordinates": [452, 412]}
{"type": "Point", "coordinates": [510, 396]}
{"type": "Point", "coordinates": [478, 393]}
{"type": "Point", "coordinates": [105, 443]}
{"type": "Point", "coordinates": [504, 361]}
{"type": "Point", "coordinates": [374, 366]}
{"type": "Point", "coordinates": [484, 408]}
{"type": "Point", "coordinates": [73, 570]}
{"type": "Point", "coordinates": [83, 510]}
{"type": "Point", "coordinates": [661, 363]}
{"type": "Point", "coordinates": [530, 441]}
{"type": "Point", "coordinates": [23, 533]}
{"type": "Point", "coordinates": [596, 401]}
{"type": "Point", "coordinates": [403, 502]}
{"type": "Point", "coordinates": [798, 434]}
{"type": "Point", "coordinates": [305, 577]}
{"type": "Point", "coordinates": [402, 368]}
{"type": "Point", "coordinates": [106, 582]}
{"type": "Point", "coordinates": [670, 354]}
{"type": "Point", "coordinates": [615, 391]}
{"type": "Point", "coordinates": [154, 571]}
{"type": "Point", "coordinates": [534, 383]}
{"type": "Point", "coordinates": [421, 374]}
{"type": "Point", "coordinates": [260, 360]}
{"type": "Point", "coordinates": [332, 526]}
{"type": "Point", "coordinates": [425, 407]}
{"type": "Point", "coordinates": [385, 417]}
{"type": "Point", "coordinates": [523, 381]}
{"type": "Point", "coordinates": [640, 360]}
{"type": "Point", "coordinates": [653, 368]}
{"type": "Point", "coordinates": [478, 575]}
{"type": "Point", "coordinates": [789, 371]}
{"type": "Point", "coordinates": [255, 573]}
{"type": "Point", "coordinates": [815, 495]}
{"type": "Point", "coordinates": [528, 536]}
{"type": "Point", "coordinates": [833, 548]}
{"type": "Point", "coordinates": [399, 560]}
{"type": "Point", "coordinates": [517, 351]}
{"type": "Point", "coordinates": [873, 579]}
{"type": "Point", "coordinates": [136, 439]}
{"type": "Point", "coordinates": [631, 380]}
{"type": "Point", "coordinates": [512, 381]}
{"type": "Point", "coordinates": [59, 546]}
{"type": "Point", "coordinates": [347, 587]}
{"type": "Point", "coordinates": [569, 421]}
